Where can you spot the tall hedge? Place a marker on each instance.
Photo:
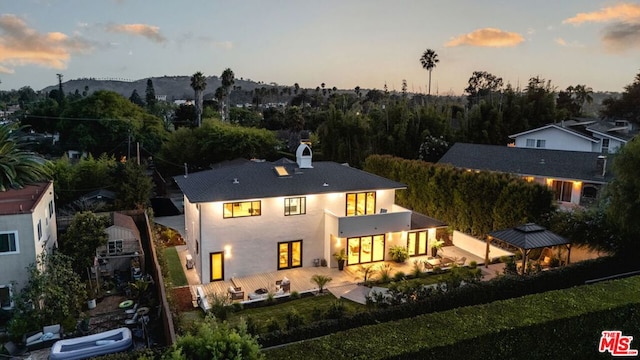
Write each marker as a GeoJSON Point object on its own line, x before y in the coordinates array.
{"type": "Point", "coordinates": [473, 202]}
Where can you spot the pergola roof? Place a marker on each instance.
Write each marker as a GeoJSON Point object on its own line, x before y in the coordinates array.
{"type": "Point", "coordinates": [529, 236]}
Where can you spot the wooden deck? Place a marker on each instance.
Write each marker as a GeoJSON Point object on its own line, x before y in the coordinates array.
{"type": "Point", "coordinates": [300, 278]}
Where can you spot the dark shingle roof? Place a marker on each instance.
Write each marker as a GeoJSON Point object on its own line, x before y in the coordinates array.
{"type": "Point", "coordinates": [570, 165]}
{"type": "Point", "coordinates": [254, 180]}
{"type": "Point", "coordinates": [420, 221]}
{"type": "Point", "coordinates": [529, 236]}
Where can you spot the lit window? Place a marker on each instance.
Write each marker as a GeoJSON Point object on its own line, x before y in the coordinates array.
{"type": "Point", "coordinates": [8, 243]}
{"type": "Point", "coordinates": [562, 190]}
{"type": "Point", "coordinates": [363, 203]}
{"type": "Point", "coordinates": [241, 209]}
{"type": "Point", "coordinates": [295, 206]}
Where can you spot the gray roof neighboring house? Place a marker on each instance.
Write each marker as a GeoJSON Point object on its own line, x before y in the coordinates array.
{"type": "Point", "coordinates": [569, 165]}
{"type": "Point", "coordinates": [255, 180]}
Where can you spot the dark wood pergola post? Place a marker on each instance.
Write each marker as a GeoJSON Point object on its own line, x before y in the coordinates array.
{"type": "Point", "coordinates": [486, 254]}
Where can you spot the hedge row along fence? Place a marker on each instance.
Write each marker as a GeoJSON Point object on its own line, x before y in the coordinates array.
{"type": "Point", "coordinates": [501, 288]}
{"type": "Point", "coordinates": [563, 324]}
{"type": "Point", "coordinates": [472, 202]}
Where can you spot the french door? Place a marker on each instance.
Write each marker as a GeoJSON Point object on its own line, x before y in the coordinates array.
{"type": "Point", "coordinates": [417, 243]}
{"type": "Point", "coordinates": [216, 260]}
{"type": "Point", "coordinates": [289, 254]}
{"type": "Point", "coordinates": [365, 249]}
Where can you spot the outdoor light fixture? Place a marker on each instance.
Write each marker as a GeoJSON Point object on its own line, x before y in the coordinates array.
{"type": "Point", "coordinates": [227, 251]}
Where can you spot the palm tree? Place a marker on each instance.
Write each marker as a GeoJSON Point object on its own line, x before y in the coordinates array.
{"type": "Point", "coordinates": [198, 84]}
{"type": "Point", "coordinates": [18, 167]}
{"type": "Point", "coordinates": [429, 60]}
{"type": "Point", "coordinates": [583, 94]}
{"type": "Point", "coordinates": [321, 281]}
{"type": "Point", "coordinates": [228, 78]}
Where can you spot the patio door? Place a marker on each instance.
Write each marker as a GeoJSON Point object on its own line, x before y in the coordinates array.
{"type": "Point", "coordinates": [289, 254]}
{"type": "Point", "coordinates": [216, 260]}
{"type": "Point", "coordinates": [365, 249]}
{"type": "Point", "coordinates": [417, 243]}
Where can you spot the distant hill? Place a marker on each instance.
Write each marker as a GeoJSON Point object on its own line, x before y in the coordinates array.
{"type": "Point", "coordinates": [174, 87]}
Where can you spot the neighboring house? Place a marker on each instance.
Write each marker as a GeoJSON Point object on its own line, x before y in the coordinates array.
{"type": "Point", "coordinates": [257, 216]}
{"type": "Point", "coordinates": [27, 229]}
{"type": "Point", "coordinates": [575, 176]}
{"type": "Point", "coordinates": [98, 198]}
{"type": "Point", "coordinates": [123, 251]}
{"type": "Point", "coordinates": [590, 135]}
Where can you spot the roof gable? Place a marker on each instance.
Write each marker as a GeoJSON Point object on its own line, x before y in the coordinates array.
{"type": "Point", "coordinates": [567, 130]}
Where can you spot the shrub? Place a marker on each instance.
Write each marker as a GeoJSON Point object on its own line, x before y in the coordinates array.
{"type": "Point", "coordinates": [293, 319]}
{"type": "Point", "coordinates": [294, 295]}
{"type": "Point", "coordinates": [399, 276]}
{"type": "Point", "coordinates": [273, 325]}
{"type": "Point", "coordinates": [336, 310]}
{"type": "Point", "coordinates": [398, 253]}
{"type": "Point", "coordinates": [385, 273]}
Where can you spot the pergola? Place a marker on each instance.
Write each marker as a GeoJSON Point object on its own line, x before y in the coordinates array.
{"type": "Point", "coordinates": [528, 237]}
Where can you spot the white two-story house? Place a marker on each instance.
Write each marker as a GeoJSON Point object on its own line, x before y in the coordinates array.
{"type": "Point", "coordinates": [257, 216]}
{"type": "Point", "coordinates": [587, 135]}
{"type": "Point", "coordinates": [27, 229]}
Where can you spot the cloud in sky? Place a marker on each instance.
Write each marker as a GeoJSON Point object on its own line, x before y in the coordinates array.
{"type": "Point", "coordinates": [563, 42]}
{"type": "Point", "coordinates": [624, 12]}
{"type": "Point", "coordinates": [149, 31]}
{"type": "Point", "coordinates": [21, 45]}
{"type": "Point", "coordinates": [487, 37]}
{"type": "Point", "coordinates": [624, 31]}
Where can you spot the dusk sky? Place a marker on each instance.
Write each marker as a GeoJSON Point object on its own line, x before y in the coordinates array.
{"type": "Point", "coordinates": [343, 43]}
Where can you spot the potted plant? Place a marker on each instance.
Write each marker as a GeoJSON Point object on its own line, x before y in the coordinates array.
{"type": "Point", "coordinates": [435, 246]}
{"type": "Point", "coordinates": [340, 257]}
{"type": "Point", "coordinates": [91, 296]}
{"type": "Point", "coordinates": [398, 253]}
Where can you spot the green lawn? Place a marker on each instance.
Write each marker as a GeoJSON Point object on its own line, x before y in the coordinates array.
{"type": "Point", "coordinates": [175, 267]}
{"type": "Point", "coordinates": [304, 306]}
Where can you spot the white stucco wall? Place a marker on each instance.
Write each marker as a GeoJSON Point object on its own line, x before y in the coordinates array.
{"type": "Point", "coordinates": [253, 241]}
{"type": "Point", "coordinates": [12, 266]}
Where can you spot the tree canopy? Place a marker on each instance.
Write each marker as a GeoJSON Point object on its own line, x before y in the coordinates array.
{"type": "Point", "coordinates": [81, 239]}
{"type": "Point", "coordinates": [18, 166]}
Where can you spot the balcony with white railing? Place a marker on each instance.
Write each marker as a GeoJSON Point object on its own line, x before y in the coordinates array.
{"type": "Point", "coordinates": [393, 219]}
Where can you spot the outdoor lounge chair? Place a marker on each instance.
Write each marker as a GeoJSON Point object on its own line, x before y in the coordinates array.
{"type": "Point", "coordinates": [236, 293]}
{"type": "Point", "coordinates": [461, 261]}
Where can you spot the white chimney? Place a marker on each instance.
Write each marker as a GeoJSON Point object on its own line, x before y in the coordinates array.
{"type": "Point", "coordinates": [303, 156]}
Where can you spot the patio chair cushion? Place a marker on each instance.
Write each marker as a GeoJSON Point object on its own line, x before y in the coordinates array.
{"type": "Point", "coordinates": [33, 338]}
